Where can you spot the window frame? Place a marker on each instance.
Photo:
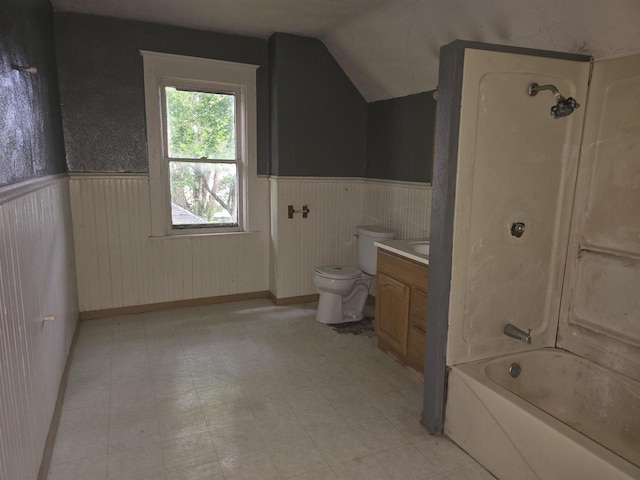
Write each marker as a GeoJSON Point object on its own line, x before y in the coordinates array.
{"type": "Point", "coordinates": [207, 87]}
{"type": "Point", "coordinates": [198, 74]}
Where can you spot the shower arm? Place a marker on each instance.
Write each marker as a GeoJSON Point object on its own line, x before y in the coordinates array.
{"type": "Point", "coordinates": [534, 88]}
{"type": "Point", "coordinates": [563, 107]}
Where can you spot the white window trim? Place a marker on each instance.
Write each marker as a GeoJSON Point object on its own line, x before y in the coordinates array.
{"type": "Point", "coordinates": [161, 69]}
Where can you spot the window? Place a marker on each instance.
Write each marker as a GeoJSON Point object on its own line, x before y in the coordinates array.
{"type": "Point", "coordinates": [202, 157]}
{"type": "Point", "coordinates": [201, 135]}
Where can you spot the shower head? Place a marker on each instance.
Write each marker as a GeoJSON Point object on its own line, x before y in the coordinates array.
{"type": "Point", "coordinates": [563, 107]}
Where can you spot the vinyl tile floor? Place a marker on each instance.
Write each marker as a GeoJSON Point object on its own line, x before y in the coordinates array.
{"type": "Point", "coordinates": [242, 390]}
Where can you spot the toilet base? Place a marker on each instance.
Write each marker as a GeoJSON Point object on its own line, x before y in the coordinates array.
{"type": "Point", "coordinates": [355, 317]}
{"type": "Point", "coordinates": [333, 308]}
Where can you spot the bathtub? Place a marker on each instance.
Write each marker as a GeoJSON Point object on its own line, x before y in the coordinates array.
{"type": "Point", "coordinates": [562, 418]}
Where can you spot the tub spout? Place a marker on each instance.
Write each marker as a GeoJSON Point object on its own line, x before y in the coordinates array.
{"type": "Point", "coordinates": [514, 332]}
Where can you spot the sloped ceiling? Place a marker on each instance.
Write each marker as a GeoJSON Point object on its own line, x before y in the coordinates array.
{"type": "Point", "coordinates": [390, 48]}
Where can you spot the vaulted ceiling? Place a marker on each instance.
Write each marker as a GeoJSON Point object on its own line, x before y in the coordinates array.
{"type": "Point", "coordinates": [390, 48]}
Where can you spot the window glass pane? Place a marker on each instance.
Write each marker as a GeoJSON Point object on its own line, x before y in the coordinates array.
{"type": "Point", "coordinates": [203, 193]}
{"type": "Point", "coordinates": [200, 124]}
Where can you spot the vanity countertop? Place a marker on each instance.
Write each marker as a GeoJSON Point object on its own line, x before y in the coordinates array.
{"type": "Point", "coordinates": [409, 248]}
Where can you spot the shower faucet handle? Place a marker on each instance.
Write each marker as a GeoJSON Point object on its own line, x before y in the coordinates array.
{"type": "Point", "coordinates": [517, 229]}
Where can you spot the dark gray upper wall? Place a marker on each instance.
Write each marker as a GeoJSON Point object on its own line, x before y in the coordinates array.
{"type": "Point", "coordinates": [102, 85]}
{"type": "Point", "coordinates": [400, 138]}
{"type": "Point", "coordinates": [318, 117]}
{"type": "Point", "coordinates": [31, 142]}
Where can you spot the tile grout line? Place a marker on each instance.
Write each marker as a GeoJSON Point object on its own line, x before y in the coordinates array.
{"type": "Point", "coordinates": [215, 450]}
{"type": "Point", "coordinates": [266, 448]}
{"type": "Point", "coordinates": [155, 398]}
{"type": "Point", "coordinates": [109, 407]}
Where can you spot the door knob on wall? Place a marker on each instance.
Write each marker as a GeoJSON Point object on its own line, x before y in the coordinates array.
{"type": "Point", "coordinates": [517, 229]}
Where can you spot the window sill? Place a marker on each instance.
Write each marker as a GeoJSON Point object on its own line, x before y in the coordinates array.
{"type": "Point", "coordinates": [201, 235]}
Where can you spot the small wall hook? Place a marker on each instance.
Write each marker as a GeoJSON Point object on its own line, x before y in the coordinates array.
{"type": "Point", "coordinates": [22, 68]}
{"type": "Point", "coordinates": [305, 211]}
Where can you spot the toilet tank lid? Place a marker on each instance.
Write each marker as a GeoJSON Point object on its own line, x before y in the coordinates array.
{"type": "Point", "coordinates": [376, 232]}
{"type": "Point", "coordinates": [337, 272]}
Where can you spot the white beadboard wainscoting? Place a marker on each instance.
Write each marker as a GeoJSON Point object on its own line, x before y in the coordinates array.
{"type": "Point", "coordinates": [337, 206]}
{"type": "Point", "coordinates": [404, 207]}
{"type": "Point", "coordinates": [326, 236]}
{"type": "Point", "coordinates": [120, 265]}
{"type": "Point", "coordinates": [37, 279]}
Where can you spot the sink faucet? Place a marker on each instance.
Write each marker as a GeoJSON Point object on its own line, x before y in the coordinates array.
{"type": "Point", "coordinates": [514, 332]}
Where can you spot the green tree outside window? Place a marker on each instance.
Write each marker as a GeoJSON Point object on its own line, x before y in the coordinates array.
{"type": "Point", "coordinates": [201, 125]}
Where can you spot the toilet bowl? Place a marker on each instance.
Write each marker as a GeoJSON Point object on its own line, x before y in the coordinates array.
{"type": "Point", "coordinates": [343, 292]}
{"type": "Point", "coordinates": [344, 289]}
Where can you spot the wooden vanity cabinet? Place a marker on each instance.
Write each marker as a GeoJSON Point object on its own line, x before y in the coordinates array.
{"type": "Point", "coordinates": [392, 305]}
{"type": "Point", "coordinates": [401, 308]}
{"type": "Point", "coordinates": [417, 330]}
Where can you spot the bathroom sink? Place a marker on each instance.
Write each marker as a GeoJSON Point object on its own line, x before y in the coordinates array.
{"type": "Point", "coordinates": [421, 248]}
{"type": "Point", "coordinates": [416, 249]}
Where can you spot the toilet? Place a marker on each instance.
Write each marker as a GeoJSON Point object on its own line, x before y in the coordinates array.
{"type": "Point", "coordinates": [344, 288]}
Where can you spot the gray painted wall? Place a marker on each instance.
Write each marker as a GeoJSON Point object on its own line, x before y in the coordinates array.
{"type": "Point", "coordinates": [31, 142]}
{"type": "Point", "coordinates": [400, 138]}
{"type": "Point", "coordinates": [320, 124]}
{"type": "Point", "coordinates": [318, 117]}
{"type": "Point", "coordinates": [102, 91]}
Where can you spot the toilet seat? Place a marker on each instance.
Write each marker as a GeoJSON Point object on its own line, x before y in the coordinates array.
{"type": "Point", "coordinates": [339, 272]}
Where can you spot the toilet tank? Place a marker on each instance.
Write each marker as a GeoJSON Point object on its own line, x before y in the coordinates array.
{"type": "Point", "coordinates": [367, 254]}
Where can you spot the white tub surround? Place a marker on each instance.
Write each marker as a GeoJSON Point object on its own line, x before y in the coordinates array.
{"type": "Point", "coordinates": [409, 248]}
{"type": "Point", "coordinates": [120, 264]}
{"type": "Point", "coordinates": [515, 164]}
{"type": "Point", "coordinates": [327, 236]}
{"type": "Point", "coordinates": [562, 416]}
{"type": "Point", "coordinates": [549, 422]}
{"type": "Point", "coordinates": [601, 301]}
{"type": "Point", "coordinates": [38, 314]}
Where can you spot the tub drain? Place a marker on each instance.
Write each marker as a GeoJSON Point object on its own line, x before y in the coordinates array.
{"type": "Point", "coordinates": [514, 370]}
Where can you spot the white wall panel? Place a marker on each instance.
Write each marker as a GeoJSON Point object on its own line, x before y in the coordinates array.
{"type": "Point", "coordinates": [327, 236]}
{"type": "Point", "coordinates": [36, 279]}
{"type": "Point", "coordinates": [512, 167]}
{"type": "Point", "coordinates": [600, 316]}
{"type": "Point", "coordinates": [404, 207]}
{"type": "Point", "coordinates": [119, 264]}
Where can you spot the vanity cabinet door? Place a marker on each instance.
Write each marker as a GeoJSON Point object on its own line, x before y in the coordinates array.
{"type": "Point", "coordinates": [417, 331]}
{"type": "Point", "coordinates": [392, 314]}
